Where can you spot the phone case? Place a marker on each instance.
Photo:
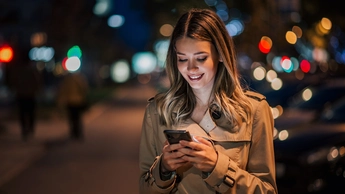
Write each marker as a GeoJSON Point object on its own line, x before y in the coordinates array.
{"type": "Point", "coordinates": [174, 136]}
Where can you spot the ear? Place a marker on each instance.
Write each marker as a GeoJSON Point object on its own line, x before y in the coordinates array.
{"type": "Point", "coordinates": [220, 59]}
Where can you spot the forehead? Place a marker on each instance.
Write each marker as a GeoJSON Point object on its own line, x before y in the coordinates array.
{"type": "Point", "coordinates": [190, 45]}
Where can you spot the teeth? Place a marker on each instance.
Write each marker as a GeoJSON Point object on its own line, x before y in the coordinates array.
{"type": "Point", "coordinates": [195, 77]}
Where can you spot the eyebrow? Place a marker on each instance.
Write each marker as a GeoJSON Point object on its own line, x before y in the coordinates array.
{"type": "Point", "coordinates": [198, 53]}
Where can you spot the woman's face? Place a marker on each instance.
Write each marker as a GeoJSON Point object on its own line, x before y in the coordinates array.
{"type": "Point", "coordinates": [197, 61]}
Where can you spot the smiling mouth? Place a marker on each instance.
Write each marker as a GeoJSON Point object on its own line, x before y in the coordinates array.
{"type": "Point", "coordinates": [195, 77]}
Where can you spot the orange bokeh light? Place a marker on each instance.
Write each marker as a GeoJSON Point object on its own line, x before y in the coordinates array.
{"type": "Point", "coordinates": [6, 54]}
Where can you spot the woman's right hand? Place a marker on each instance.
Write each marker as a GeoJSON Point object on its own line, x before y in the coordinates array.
{"type": "Point", "coordinates": [171, 157]}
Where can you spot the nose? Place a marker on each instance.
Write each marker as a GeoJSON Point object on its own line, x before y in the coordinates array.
{"type": "Point", "coordinates": [192, 66]}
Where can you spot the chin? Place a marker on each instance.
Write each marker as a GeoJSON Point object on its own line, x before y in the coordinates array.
{"type": "Point", "coordinates": [196, 86]}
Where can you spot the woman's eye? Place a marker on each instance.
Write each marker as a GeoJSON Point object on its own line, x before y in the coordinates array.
{"type": "Point", "coordinates": [182, 60]}
{"type": "Point", "coordinates": [202, 59]}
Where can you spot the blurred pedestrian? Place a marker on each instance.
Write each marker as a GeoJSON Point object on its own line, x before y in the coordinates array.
{"type": "Point", "coordinates": [72, 96]}
{"type": "Point", "coordinates": [26, 82]}
{"type": "Point", "coordinates": [232, 127]}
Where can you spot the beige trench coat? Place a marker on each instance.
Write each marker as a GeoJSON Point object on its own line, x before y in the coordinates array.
{"type": "Point", "coordinates": [245, 154]}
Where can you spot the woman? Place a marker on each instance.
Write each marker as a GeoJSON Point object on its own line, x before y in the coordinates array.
{"type": "Point", "coordinates": [233, 147]}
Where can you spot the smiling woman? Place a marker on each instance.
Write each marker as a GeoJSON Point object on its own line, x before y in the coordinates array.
{"type": "Point", "coordinates": [232, 129]}
{"type": "Point", "coordinates": [197, 60]}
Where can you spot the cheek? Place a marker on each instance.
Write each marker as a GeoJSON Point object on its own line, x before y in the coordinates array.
{"type": "Point", "coordinates": [180, 68]}
{"type": "Point", "coordinates": [215, 68]}
{"type": "Point", "coordinates": [211, 67]}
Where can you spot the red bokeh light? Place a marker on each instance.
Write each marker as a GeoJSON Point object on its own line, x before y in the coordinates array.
{"type": "Point", "coordinates": [305, 66]}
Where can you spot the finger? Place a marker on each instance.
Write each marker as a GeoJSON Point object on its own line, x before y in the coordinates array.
{"type": "Point", "coordinates": [170, 148]}
{"type": "Point", "coordinates": [172, 164]}
{"type": "Point", "coordinates": [203, 140]}
{"type": "Point", "coordinates": [191, 159]}
{"type": "Point", "coordinates": [175, 161]}
{"type": "Point", "coordinates": [175, 147]}
{"type": "Point", "coordinates": [166, 142]}
{"type": "Point", "coordinates": [191, 145]}
{"type": "Point", "coordinates": [187, 151]}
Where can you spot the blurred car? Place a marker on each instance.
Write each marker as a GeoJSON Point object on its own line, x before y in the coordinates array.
{"type": "Point", "coordinates": [307, 105]}
{"type": "Point", "coordinates": [310, 158]}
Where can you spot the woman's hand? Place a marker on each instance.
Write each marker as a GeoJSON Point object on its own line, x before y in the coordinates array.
{"type": "Point", "coordinates": [201, 155]}
{"type": "Point", "coordinates": [172, 157]}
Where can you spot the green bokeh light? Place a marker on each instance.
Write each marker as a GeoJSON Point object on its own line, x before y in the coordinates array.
{"type": "Point", "coordinates": [74, 52]}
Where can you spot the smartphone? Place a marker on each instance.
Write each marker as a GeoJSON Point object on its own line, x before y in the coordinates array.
{"type": "Point", "coordinates": [174, 136]}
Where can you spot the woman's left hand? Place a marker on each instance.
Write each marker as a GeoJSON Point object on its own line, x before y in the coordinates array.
{"type": "Point", "coordinates": [201, 155]}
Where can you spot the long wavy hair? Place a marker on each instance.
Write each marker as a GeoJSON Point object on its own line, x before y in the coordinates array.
{"type": "Point", "coordinates": [179, 101]}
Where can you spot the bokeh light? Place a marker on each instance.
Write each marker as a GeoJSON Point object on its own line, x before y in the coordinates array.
{"type": "Point", "coordinates": [286, 64]}
{"type": "Point", "coordinates": [74, 51]}
{"type": "Point", "coordinates": [235, 27]}
{"type": "Point", "coordinates": [271, 75]}
{"type": "Point", "coordinates": [6, 54]}
{"type": "Point", "coordinates": [211, 2]}
{"type": "Point", "coordinates": [116, 21]}
{"type": "Point", "coordinates": [320, 55]}
{"type": "Point", "coordinates": [324, 26]}
{"type": "Point", "coordinates": [38, 39]}
{"type": "Point", "coordinates": [102, 7]}
{"type": "Point", "coordinates": [161, 49]}
{"type": "Point", "coordinates": [276, 64]}
{"type": "Point", "coordinates": [259, 73]}
{"type": "Point", "coordinates": [295, 63]}
{"type": "Point", "coordinates": [144, 62]}
{"type": "Point", "coordinates": [276, 84]}
{"type": "Point", "coordinates": [44, 54]}
{"type": "Point", "coordinates": [166, 30]}
{"type": "Point", "coordinates": [120, 71]}
{"type": "Point", "coordinates": [265, 44]}
{"type": "Point", "coordinates": [298, 31]}
{"type": "Point", "coordinates": [72, 64]}
{"type": "Point", "coordinates": [291, 37]}
{"type": "Point", "coordinates": [307, 94]}
{"type": "Point", "coordinates": [305, 66]}
{"type": "Point", "coordinates": [283, 135]}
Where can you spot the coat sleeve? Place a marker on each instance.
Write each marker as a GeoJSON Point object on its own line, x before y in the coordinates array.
{"type": "Point", "coordinates": [149, 158]}
{"type": "Point", "coordinates": [259, 175]}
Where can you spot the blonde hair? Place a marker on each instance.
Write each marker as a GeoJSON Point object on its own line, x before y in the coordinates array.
{"type": "Point", "coordinates": [178, 103]}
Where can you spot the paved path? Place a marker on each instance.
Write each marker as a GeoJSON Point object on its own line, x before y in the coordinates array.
{"type": "Point", "coordinates": [106, 161]}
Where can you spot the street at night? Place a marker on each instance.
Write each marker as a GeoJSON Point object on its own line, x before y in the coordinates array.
{"type": "Point", "coordinates": [107, 58]}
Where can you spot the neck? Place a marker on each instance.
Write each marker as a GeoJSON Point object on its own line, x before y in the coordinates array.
{"type": "Point", "coordinates": [203, 97]}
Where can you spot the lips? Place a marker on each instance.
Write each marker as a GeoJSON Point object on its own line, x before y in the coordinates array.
{"type": "Point", "coordinates": [195, 77]}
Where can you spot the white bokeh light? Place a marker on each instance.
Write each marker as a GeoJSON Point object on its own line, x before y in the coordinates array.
{"type": "Point", "coordinates": [144, 62]}
{"type": "Point", "coordinates": [73, 64]}
{"type": "Point", "coordinates": [120, 71]}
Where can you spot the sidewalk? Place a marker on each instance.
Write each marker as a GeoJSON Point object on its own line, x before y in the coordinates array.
{"type": "Point", "coordinates": [16, 155]}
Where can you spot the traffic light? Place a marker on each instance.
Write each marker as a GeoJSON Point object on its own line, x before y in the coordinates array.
{"type": "Point", "coordinates": [6, 54]}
